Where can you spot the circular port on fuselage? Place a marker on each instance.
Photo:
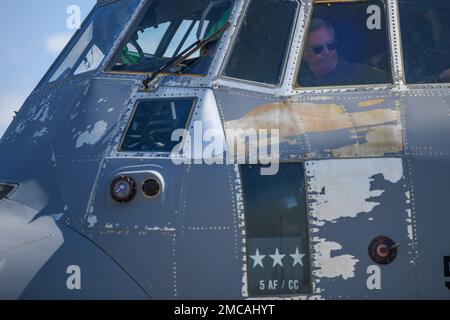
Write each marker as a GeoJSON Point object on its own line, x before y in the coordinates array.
{"type": "Point", "coordinates": [123, 189]}
{"type": "Point", "coordinates": [151, 188]}
{"type": "Point", "coordinates": [383, 250]}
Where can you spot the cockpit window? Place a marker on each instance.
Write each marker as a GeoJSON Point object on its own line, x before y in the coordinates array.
{"type": "Point", "coordinates": [262, 44]}
{"type": "Point", "coordinates": [167, 29]}
{"type": "Point", "coordinates": [95, 40]}
{"type": "Point", "coordinates": [346, 44]}
{"type": "Point", "coordinates": [426, 40]}
{"type": "Point", "coordinates": [153, 123]}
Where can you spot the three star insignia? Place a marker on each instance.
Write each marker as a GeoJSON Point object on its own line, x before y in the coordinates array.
{"type": "Point", "coordinates": [277, 258]}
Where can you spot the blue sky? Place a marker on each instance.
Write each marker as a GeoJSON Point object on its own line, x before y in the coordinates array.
{"type": "Point", "coordinates": [32, 34]}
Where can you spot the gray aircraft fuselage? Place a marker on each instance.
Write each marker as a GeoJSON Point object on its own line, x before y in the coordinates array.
{"type": "Point", "coordinates": [359, 166]}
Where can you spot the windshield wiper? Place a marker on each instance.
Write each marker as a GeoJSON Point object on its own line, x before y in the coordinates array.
{"type": "Point", "coordinates": [182, 56]}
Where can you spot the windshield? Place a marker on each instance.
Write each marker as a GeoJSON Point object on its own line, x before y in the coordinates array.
{"type": "Point", "coordinates": [95, 41]}
{"type": "Point", "coordinates": [167, 29]}
{"type": "Point", "coordinates": [426, 40]}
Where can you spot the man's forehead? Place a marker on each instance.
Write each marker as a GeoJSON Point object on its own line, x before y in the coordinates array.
{"type": "Point", "coordinates": [320, 34]}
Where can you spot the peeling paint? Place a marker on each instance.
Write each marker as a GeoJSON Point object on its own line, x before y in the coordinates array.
{"type": "Point", "coordinates": [20, 128]}
{"type": "Point", "coordinates": [42, 114]}
{"type": "Point", "coordinates": [40, 133]}
{"type": "Point", "coordinates": [332, 267]}
{"type": "Point", "coordinates": [381, 127]}
{"type": "Point", "coordinates": [92, 221]}
{"type": "Point", "coordinates": [314, 117]}
{"type": "Point", "coordinates": [408, 197]}
{"type": "Point", "coordinates": [57, 216]}
{"type": "Point", "coordinates": [94, 136]}
{"type": "Point", "coordinates": [379, 141]}
{"type": "Point", "coordinates": [410, 232]}
{"type": "Point", "coordinates": [333, 182]}
{"type": "Point", "coordinates": [409, 224]}
{"type": "Point", "coordinates": [370, 103]}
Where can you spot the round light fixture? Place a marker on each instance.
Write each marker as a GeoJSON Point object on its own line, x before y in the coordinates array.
{"type": "Point", "coordinates": [123, 189]}
{"type": "Point", "coordinates": [383, 250]}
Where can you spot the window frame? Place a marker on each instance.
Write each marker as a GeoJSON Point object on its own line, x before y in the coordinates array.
{"type": "Point", "coordinates": [45, 81]}
{"type": "Point", "coordinates": [110, 64]}
{"type": "Point", "coordinates": [309, 226]}
{"type": "Point", "coordinates": [426, 85]}
{"type": "Point", "coordinates": [290, 49]}
{"type": "Point", "coordinates": [118, 148]}
{"type": "Point", "coordinates": [296, 87]}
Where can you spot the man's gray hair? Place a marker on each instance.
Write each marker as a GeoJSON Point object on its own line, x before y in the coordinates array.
{"type": "Point", "coordinates": [317, 24]}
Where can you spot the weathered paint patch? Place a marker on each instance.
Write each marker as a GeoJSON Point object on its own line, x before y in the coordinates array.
{"type": "Point", "coordinates": [58, 216]}
{"type": "Point", "coordinates": [370, 103]}
{"type": "Point", "coordinates": [94, 136]}
{"type": "Point", "coordinates": [20, 128]}
{"type": "Point", "coordinates": [40, 133]}
{"type": "Point", "coordinates": [379, 141]}
{"type": "Point", "coordinates": [42, 113]}
{"type": "Point", "coordinates": [298, 117]}
{"type": "Point", "coordinates": [381, 128]}
{"type": "Point", "coordinates": [409, 222]}
{"type": "Point", "coordinates": [408, 197]}
{"type": "Point", "coordinates": [332, 267]}
{"type": "Point", "coordinates": [92, 221]}
{"type": "Point", "coordinates": [410, 231]}
{"type": "Point", "coordinates": [333, 182]}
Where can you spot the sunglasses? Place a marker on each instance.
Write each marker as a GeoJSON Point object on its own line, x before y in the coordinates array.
{"type": "Point", "coordinates": [330, 46]}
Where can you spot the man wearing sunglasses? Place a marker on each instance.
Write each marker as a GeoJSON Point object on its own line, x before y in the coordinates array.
{"type": "Point", "coordinates": [324, 67]}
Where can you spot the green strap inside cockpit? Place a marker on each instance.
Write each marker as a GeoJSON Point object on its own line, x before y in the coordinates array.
{"type": "Point", "coordinates": [219, 24]}
{"type": "Point", "coordinates": [129, 57]}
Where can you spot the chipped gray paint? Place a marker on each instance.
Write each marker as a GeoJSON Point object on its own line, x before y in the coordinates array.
{"type": "Point", "coordinates": [91, 137]}
{"type": "Point", "coordinates": [332, 182]}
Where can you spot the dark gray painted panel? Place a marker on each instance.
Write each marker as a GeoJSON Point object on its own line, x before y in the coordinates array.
{"type": "Point", "coordinates": [428, 123]}
{"type": "Point", "coordinates": [355, 234]}
{"type": "Point", "coordinates": [141, 211]}
{"type": "Point", "coordinates": [431, 180]}
{"type": "Point", "coordinates": [89, 126]}
{"type": "Point", "coordinates": [100, 275]}
{"type": "Point", "coordinates": [209, 242]}
{"type": "Point", "coordinates": [206, 261]}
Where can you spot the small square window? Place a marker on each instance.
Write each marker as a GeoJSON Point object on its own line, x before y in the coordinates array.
{"type": "Point", "coordinates": [153, 123]}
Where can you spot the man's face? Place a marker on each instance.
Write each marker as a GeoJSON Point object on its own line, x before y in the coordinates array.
{"type": "Point", "coordinates": [326, 61]}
